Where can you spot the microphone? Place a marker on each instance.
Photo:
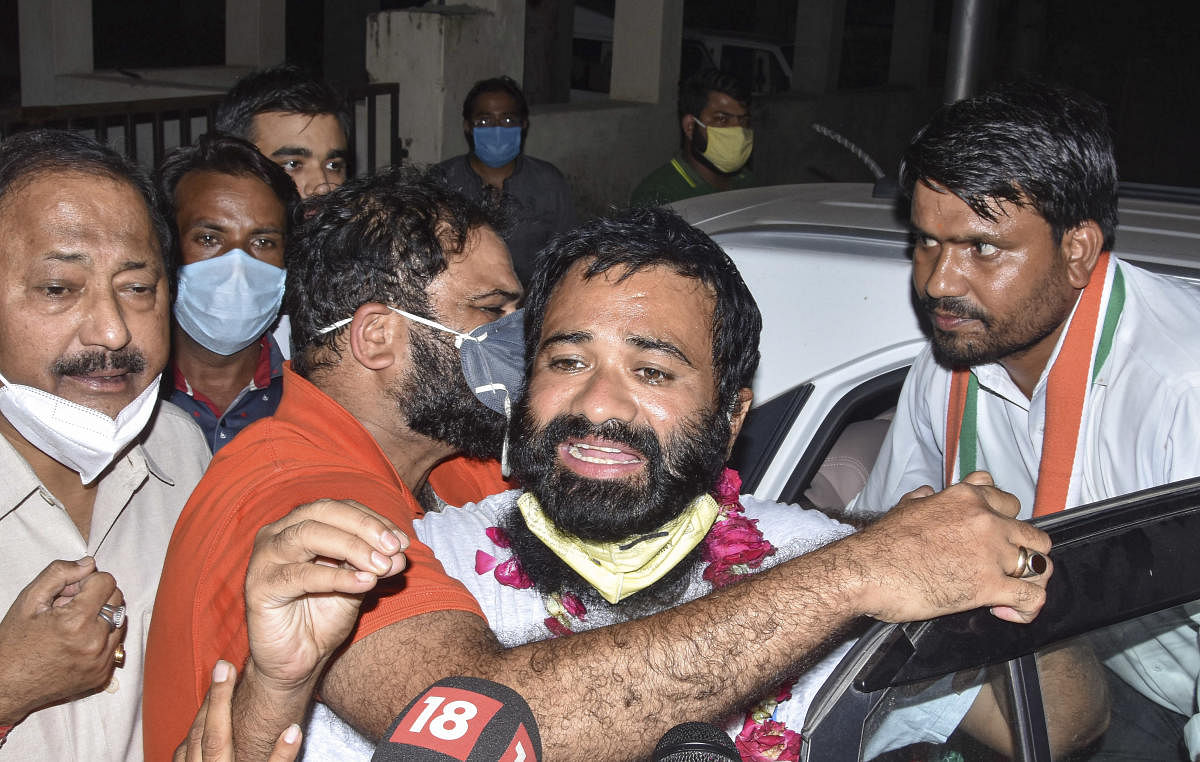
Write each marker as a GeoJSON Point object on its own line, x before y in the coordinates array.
{"type": "Point", "coordinates": [696, 742]}
{"type": "Point", "coordinates": [467, 719]}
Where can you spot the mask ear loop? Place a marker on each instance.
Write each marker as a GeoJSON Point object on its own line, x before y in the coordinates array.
{"type": "Point", "coordinates": [504, 469]}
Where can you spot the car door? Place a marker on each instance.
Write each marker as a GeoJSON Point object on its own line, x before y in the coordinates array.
{"type": "Point", "coordinates": [1126, 575]}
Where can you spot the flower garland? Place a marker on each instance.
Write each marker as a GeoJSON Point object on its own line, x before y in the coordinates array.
{"type": "Point", "coordinates": [733, 547]}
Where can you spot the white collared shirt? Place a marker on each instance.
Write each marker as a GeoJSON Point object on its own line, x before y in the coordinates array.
{"type": "Point", "coordinates": [137, 502]}
{"type": "Point", "coordinates": [1141, 429]}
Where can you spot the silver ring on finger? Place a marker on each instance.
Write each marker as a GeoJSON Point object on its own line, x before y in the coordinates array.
{"type": "Point", "coordinates": [114, 615]}
{"type": "Point", "coordinates": [1030, 563]}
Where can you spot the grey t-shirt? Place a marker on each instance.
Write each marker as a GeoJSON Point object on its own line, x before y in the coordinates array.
{"type": "Point", "coordinates": [536, 199]}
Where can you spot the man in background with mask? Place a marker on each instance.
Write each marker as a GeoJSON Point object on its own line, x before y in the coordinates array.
{"type": "Point", "coordinates": [532, 193]}
{"type": "Point", "coordinates": [385, 277]}
{"type": "Point", "coordinates": [232, 210]}
{"type": "Point", "coordinates": [92, 488]}
{"type": "Point", "coordinates": [714, 114]}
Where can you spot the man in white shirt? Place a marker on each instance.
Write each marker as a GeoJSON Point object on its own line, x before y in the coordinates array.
{"type": "Point", "coordinates": [1067, 374]}
{"type": "Point", "coordinates": [95, 470]}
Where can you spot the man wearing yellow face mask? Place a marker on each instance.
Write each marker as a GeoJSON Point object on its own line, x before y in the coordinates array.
{"type": "Point", "coordinates": [714, 114]}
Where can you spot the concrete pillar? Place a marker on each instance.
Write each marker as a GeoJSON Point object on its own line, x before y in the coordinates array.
{"type": "Point", "coordinates": [436, 53]}
{"type": "Point", "coordinates": [647, 35]}
{"type": "Point", "coordinates": [56, 38]}
{"type": "Point", "coordinates": [912, 32]}
{"type": "Point", "coordinates": [255, 32]}
{"type": "Point", "coordinates": [819, 29]}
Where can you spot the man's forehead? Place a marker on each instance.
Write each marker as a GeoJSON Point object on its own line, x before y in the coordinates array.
{"type": "Point", "coordinates": [64, 212]}
{"type": "Point", "coordinates": [719, 101]}
{"type": "Point", "coordinates": [646, 294]}
{"type": "Point", "coordinates": [282, 125]}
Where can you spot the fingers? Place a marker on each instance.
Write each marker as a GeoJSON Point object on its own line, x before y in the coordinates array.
{"type": "Point", "coordinates": [923, 491]}
{"type": "Point", "coordinates": [287, 747]}
{"type": "Point", "coordinates": [979, 479]}
{"type": "Point", "coordinates": [217, 742]}
{"type": "Point", "coordinates": [340, 530]}
{"type": "Point", "coordinates": [59, 578]}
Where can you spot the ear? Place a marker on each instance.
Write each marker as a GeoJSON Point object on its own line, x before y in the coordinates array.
{"type": "Point", "coordinates": [737, 416]}
{"type": "Point", "coordinates": [1080, 249]}
{"type": "Point", "coordinates": [687, 123]}
{"type": "Point", "coordinates": [374, 340]}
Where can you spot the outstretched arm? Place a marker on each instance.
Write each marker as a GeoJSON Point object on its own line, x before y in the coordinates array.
{"type": "Point", "coordinates": [612, 692]}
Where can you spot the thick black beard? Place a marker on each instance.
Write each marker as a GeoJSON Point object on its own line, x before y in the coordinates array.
{"type": "Point", "coordinates": [438, 403]}
{"type": "Point", "coordinates": [550, 574]}
{"type": "Point", "coordinates": [609, 510]}
{"type": "Point", "coordinates": [1000, 345]}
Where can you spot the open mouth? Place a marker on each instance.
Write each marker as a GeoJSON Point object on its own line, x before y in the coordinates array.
{"type": "Point", "coordinates": [599, 458]}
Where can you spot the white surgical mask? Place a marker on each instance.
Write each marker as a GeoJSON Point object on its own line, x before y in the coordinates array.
{"type": "Point", "coordinates": [83, 439]}
{"type": "Point", "coordinates": [225, 303]}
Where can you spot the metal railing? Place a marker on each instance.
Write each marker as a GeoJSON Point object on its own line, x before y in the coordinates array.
{"type": "Point", "coordinates": [146, 130]}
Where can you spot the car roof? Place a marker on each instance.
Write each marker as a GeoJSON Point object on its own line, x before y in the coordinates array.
{"type": "Point", "coordinates": [834, 257]}
{"type": "Point", "coordinates": [1152, 230]}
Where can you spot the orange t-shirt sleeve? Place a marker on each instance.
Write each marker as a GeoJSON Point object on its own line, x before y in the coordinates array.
{"type": "Point", "coordinates": [200, 611]}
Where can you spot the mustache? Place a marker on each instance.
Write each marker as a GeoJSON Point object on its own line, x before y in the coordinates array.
{"type": "Point", "coordinates": [127, 360]}
{"type": "Point", "coordinates": [952, 305]}
{"type": "Point", "coordinates": [565, 426]}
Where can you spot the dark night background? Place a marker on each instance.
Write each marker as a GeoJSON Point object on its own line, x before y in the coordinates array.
{"type": "Point", "coordinates": [1138, 57]}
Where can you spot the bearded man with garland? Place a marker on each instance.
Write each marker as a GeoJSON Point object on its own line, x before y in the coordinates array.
{"type": "Point", "coordinates": [641, 341]}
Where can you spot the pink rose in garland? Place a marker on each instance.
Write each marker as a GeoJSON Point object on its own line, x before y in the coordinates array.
{"type": "Point", "coordinates": [767, 741]}
{"type": "Point", "coordinates": [734, 545]}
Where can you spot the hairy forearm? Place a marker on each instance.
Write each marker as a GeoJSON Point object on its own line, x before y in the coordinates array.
{"type": "Point", "coordinates": [613, 692]}
{"type": "Point", "coordinates": [261, 711]}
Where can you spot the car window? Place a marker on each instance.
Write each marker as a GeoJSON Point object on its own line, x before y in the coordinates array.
{"type": "Point", "coordinates": [1119, 630]}
{"type": "Point", "coordinates": [848, 438]}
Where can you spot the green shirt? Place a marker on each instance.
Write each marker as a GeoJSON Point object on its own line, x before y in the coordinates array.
{"type": "Point", "coordinates": [677, 180]}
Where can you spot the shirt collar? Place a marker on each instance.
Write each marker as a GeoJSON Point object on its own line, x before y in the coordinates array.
{"type": "Point", "coordinates": [269, 366]}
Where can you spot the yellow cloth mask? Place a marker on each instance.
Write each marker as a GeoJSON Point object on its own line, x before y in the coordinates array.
{"type": "Point", "coordinates": [618, 570]}
{"type": "Point", "coordinates": [728, 147]}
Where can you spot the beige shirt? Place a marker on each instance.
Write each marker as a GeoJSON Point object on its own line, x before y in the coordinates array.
{"type": "Point", "coordinates": [137, 503]}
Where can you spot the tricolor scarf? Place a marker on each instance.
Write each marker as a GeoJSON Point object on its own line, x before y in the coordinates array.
{"type": "Point", "coordinates": [1087, 344]}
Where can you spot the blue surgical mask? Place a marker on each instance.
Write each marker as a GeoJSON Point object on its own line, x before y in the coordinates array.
{"type": "Point", "coordinates": [226, 303]}
{"type": "Point", "coordinates": [497, 146]}
{"type": "Point", "coordinates": [493, 360]}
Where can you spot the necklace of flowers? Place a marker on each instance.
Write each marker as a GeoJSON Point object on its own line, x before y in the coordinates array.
{"type": "Point", "coordinates": [733, 547]}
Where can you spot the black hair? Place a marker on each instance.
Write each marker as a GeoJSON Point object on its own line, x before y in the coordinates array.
{"type": "Point", "coordinates": [693, 91]}
{"type": "Point", "coordinates": [1028, 143]}
{"type": "Point", "coordinates": [381, 238]}
{"type": "Point", "coordinates": [640, 238]}
{"type": "Point", "coordinates": [226, 155]}
{"type": "Point", "coordinates": [502, 84]}
{"type": "Point", "coordinates": [288, 89]}
{"type": "Point", "coordinates": [27, 156]}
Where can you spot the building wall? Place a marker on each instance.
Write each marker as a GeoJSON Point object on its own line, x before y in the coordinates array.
{"type": "Point", "coordinates": [606, 148]}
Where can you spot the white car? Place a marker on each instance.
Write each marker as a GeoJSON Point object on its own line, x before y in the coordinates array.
{"type": "Point", "coordinates": [829, 266]}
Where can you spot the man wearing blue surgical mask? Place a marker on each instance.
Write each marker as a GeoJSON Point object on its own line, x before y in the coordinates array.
{"type": "Point", "coordinates": [532, 194]}
{"type": "Point", "coordinates": [232, 208]}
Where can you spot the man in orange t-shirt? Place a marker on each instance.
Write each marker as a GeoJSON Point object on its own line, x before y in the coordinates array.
{"type": "Point", "coordinates": [375, 410]}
